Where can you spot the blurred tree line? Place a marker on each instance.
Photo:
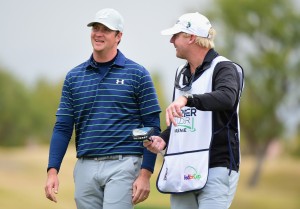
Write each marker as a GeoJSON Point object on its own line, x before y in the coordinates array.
{"type": "Point", "coordinates": [27, 114]}
{"type": "Point", "coordinates": [263, 36]}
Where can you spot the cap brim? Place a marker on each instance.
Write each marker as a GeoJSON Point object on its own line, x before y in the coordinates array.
{"type": "Point", "coordinates": [103, 23]}
{"type": "Point", "coordinates": [91, 24]}
{"type": "Point", "coordinates": [171, 31]}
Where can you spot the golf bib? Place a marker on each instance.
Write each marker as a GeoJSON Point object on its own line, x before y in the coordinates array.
{"type": "Point", "coordinates": [186, 162]}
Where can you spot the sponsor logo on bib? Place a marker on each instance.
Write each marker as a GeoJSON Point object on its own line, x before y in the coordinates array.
{"type": "Point", "coordinates": [190, 173]}
{"type": "Point", "coordinates": [186, 122]}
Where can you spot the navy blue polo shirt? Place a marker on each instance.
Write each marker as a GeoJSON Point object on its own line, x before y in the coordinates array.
{"type": "Point", "coordinates": [105, 103]}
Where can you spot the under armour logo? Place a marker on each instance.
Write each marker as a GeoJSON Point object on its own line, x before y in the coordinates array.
{"type": "Point", "coordinates": [119, 81]}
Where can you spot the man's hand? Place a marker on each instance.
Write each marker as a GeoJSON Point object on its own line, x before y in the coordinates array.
{"type": "Point", "coordinates": [174, 110]}
{"type": "Point", "coordinates": [141, 187]}
{"type": "Point", "coordinates": [156, 145]}
{"type": "Point", "coordinates": [52, 184]}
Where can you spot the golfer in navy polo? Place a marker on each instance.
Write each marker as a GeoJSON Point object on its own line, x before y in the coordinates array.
{"type": "Point", "coordinates": [104, 99]}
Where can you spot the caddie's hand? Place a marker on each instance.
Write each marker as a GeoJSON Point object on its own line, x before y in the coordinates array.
{"type": "Point", "coordinates": [174, 110]}
{"type": "Point", "coordinates": [156, 145]}
{"type": "Point", "coordinates": [147, 143]}
{"type": "Point", "coordinates": [52, 184]}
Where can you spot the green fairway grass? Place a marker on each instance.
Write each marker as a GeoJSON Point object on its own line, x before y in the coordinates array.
{"type": "Point", "coordinates": [23, 176]}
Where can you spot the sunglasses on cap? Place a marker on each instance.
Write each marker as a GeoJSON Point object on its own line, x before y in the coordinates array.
{"type": "Point", "coordinates": [182, 78]}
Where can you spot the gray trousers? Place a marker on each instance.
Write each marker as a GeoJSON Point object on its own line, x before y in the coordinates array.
{"type": "Point", "coordinates": [105, 184]}
{"type": "Point", "coordinates": [217, 194]}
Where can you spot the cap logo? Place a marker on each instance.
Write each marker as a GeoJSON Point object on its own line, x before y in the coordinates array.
{"type": "Point", "coordinates": [186, 24]}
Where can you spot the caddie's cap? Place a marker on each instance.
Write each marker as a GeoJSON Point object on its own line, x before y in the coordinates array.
{"type": "Point", "coordinates": [191, 23]}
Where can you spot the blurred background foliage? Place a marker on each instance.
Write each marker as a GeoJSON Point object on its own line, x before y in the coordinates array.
{"type": "Point", "coordinates": [27, 114]}
{"type": "Point", "coordinates": [262, 36]}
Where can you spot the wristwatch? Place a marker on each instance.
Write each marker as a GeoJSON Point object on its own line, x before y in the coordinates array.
{"type": "Point", "coordinates": [189, 98]}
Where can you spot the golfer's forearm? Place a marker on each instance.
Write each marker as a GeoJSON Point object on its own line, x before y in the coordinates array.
{"type": "Point", "coordinates": [61, 136]}
{"type": "Point", "coordinates": [149, 158]}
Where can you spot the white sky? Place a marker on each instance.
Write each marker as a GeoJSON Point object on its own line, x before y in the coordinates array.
{"type": "Point", "coordinates": [48, 38]}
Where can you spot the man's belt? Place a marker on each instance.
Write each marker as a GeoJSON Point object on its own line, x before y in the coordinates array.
{"type": "Point", "coordinates": [109, 157]}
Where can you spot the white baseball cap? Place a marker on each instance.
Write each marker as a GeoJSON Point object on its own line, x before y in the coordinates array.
{"type": "Point", "coordinates": [110, 18]}
{"type": "Point", "coordinates": [191, 23]}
